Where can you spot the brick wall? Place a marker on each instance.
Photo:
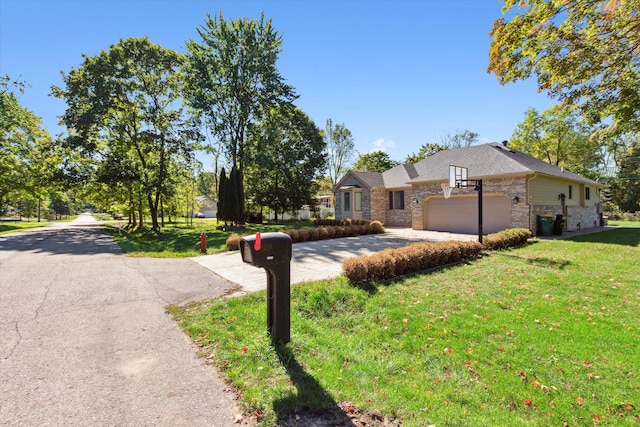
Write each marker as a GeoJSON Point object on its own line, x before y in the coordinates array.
{"type": "Point", "coordinates": [511, 187]}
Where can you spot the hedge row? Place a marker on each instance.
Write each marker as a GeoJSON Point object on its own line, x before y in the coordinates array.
{"type": "Point", "coordinates": [343, 222]}
{"type": "Point", "coordinates": [392, 263]}
{"type": "Point", "coordinates": [505, 239]}
{"type": "Point", "coordinates": [320, 233]}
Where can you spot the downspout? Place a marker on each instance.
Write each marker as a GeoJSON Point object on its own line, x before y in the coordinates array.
{"type": "Point", "coordinates": [531, 222]}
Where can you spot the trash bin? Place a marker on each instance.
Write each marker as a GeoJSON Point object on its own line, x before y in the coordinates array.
{"type": "Point", "coordinates": [545, 224]}
{"type": "Point", "coordinates": [558, 225]}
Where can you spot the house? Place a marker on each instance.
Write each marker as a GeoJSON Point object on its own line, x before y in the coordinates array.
{"type": "Point", "coordinates": [207, 207]}
{"type": "Point", "coordinates": [516, 189]}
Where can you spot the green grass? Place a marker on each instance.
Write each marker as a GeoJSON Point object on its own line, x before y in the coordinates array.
{"type": "Point", "coordinates": [7, 227]}
{"type": "Point", "coordinates": [542, 335]}
{"type": "Point", "coordinates": [178, 240]}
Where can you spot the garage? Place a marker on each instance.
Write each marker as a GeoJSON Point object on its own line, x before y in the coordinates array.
{"type": "Point", "coordinates": [459, 214]}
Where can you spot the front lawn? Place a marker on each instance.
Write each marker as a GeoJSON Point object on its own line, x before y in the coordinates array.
{"type": "Point", "coordinates": [179, 240]}
{"type": "Point", "coordinates": [548, 334]}
{"type": "Point", "coordinates": [7, 227]}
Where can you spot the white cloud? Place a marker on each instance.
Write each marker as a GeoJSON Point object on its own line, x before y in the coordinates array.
{"type": "Point", "coordinates": [381, 144]}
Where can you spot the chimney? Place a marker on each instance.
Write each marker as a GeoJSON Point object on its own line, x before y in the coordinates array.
{"type": "Point", "coordinates": [505, 143]}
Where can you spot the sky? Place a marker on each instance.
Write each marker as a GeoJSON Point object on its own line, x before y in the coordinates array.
{"type": "Point", "coordinates": [398, 74]}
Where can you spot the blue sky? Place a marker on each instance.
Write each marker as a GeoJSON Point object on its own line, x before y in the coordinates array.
{"type": "Point", "coordinates": [398, 74]}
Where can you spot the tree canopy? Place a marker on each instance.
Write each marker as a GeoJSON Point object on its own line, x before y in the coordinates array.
{"type": "Point", "coordinates": [123, 112]}
{"type": "Point", "coordinates": [340, 149]}
{"type": "Point", "coordinates": [425, 151]}
{"type": "Point", "coordinates": [584, 53]}
{"type": "Point", "coordinates": [29, 158]}
{"type": "Point", "coordinates": [558, 137]}
{"type": "Point", "coordinates": [233, 80]}
{"type": "Point", "coordinates": [376, 161]}
{"type": "Point", "coordinates": [287, 159]}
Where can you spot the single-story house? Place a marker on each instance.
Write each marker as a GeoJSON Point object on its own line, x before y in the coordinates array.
{"type": "Point", "coordinates": [516, 189]}
{"type": "Point", "coordinates": [207, 207]}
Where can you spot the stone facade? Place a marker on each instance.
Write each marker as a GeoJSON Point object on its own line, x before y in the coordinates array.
{"type": "Point", "coordinates": [379, 205]}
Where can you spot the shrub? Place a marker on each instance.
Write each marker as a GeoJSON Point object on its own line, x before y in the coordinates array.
{"type": "Point", "coordinates": [303, 235]}
{"type": "Point", "coordinates": [233, 242]}
{"type": "Point", "coordinates": [392, 263]}
{"type": "Point", "coordinates": [377, 227]}
{"type": "Point", "coordinates": [510, 238]}
{"type": "Point", "coordinates": [323, 233]}
{"type": "Point", "coordinates": [313, 234]}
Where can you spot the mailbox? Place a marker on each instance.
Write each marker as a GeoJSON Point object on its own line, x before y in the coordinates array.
{"type": "Point", "coordinates": [272, 251]}
{"type": "Point", "coordinates": [265, 249]}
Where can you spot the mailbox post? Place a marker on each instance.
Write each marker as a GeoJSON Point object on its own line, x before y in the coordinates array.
{"type": "Point", "coordinates": [272, 251]}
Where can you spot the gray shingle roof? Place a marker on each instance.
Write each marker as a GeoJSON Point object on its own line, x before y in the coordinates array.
{"type": "Point", "coordinates": [372, 179]}
{"type": "Point", "coordinates": [488, 160]}
{"type": "Point", "coordinates": [483, 161]}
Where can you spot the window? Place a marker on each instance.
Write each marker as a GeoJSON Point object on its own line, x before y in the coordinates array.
{"type": "Point", "coordinates": [347, 202]}
{"type": "Point", "coordinates": [396, 200]}
{"type": "Point", "coordinates": [587, 193]}
{"type": "Point", "coordinates": [570, 192]}
{"type": "Point", "coordinates": [357, 201]}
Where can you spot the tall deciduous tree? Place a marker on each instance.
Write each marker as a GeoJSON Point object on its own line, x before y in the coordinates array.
{"type": "Point", "coordinates": [582, 52]}
{"type": "Point", "coordinates": [377, 161]}
{"type": "Point", "coordinates": [124, 103]}
{"type": "Point", "coordinates": [558, 137]}
{"type": "Point", "coordinates": [287, 160]}
{"type": "Point", "coordinates": [29, 158]}
{"type": "Point", "coordinates": [626, 188]}
{"type": "Point", "coordinates": [340, 149]}
{"type": "Point", "coordinates": [234, 81]}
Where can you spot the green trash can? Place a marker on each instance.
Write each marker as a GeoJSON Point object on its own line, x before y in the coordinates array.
{"type": "Point", "coordinates": [545, 224]}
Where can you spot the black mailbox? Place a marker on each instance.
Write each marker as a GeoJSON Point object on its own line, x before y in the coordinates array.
{"type": "Point", "coordinates": [265, 249]}
{"type": "Point", "coordinates": [272, 251]}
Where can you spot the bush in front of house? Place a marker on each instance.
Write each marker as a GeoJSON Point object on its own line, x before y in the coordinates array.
{"type": "Point", "coordinates": [392, 263]}
{"type": "Point", "coordinates": [505, 239]}
{"type": "Point", "coordinates": [417, 257]}
{"type": "Point", "coordinates": [233, 242]}
{"type": "Point", "coordinates": [343, 222]}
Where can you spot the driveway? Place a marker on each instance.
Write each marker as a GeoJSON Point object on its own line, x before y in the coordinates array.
{"type": "Point", "coordinates": [319, 260]}
{"type": "Point", "coordinates": [85, 339]}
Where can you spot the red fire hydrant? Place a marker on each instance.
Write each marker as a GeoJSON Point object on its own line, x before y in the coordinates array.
{"type": "Point", "coordinates": [202, 244]}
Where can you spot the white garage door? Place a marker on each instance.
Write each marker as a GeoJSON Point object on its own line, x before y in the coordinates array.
{"type": "Point", "coordinates": [460, 214]}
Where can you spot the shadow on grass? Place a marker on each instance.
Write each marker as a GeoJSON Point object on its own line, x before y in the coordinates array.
{"type": "Point", "coordinates": [538, 261]}
{"type": "Point", "coordinates": [628, 236]}
{"type": "Point", "coordinates": [311, 398]}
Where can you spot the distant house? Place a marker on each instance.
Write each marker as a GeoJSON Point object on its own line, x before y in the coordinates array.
{"type": "Point", "coordinates": [516, 189]}
{"type": "Point", "coordinates": [207, 207]}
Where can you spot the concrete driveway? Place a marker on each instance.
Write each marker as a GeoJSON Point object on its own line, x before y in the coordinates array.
{"type": "Point", "coordinates": [85, 340]}
{"type": "Point", "coordinates": [319, 260]}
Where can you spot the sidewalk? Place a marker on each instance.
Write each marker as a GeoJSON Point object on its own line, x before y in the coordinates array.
{"type": "Point", "coordinates": [319, 260]}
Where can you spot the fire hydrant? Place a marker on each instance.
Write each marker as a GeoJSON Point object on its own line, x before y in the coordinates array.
{"type": "Point", "coordinates": [202, 244]}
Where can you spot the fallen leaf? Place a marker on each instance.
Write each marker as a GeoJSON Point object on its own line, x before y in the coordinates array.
{"type": "Point", "coordinates": [528, 402]}
{"type": "Point", "coordinates": [535, 383]}
{"type": "Point", "coordinates": [587, 364]}
{"type": "Point", "coordinates": [580, 401]}
{"type": "Point", "coordinates": [238, 419]}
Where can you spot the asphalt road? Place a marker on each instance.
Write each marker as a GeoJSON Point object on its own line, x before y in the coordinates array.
{"type": "Point", "coordinates": [85, 339]}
